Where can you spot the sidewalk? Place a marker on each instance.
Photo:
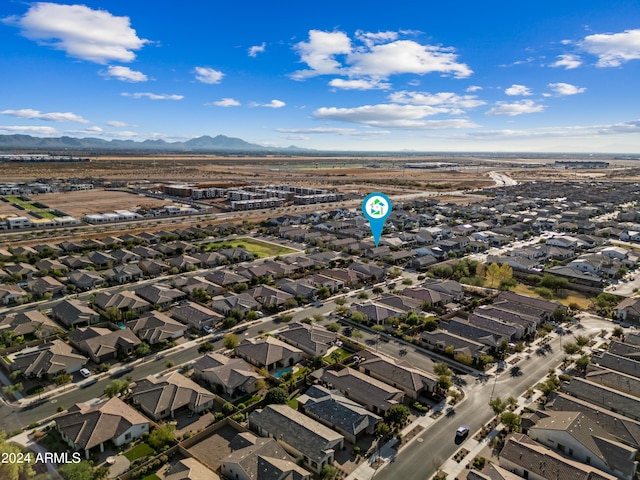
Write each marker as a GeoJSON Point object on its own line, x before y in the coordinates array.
{"type": "Point", "coordinates": [387, 452]}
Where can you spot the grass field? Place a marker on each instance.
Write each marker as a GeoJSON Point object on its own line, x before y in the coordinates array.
{"type": "Point", "coordinates": [139, 451]}
{"type": "Point", "coordinates": [261, 249]}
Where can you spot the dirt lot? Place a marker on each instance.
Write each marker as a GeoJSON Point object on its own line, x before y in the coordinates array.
{"type": "Point", "coordinates": [84, 202]}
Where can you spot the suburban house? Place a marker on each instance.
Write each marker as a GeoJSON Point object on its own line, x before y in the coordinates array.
{"type": "Point", "coordinates": [85, 279]}
{"type": "Point", "coordinates": [399, 374]}
{"type": "Point", "coordinates": [195, 315]}
{"type": "Point", "coordinates": [256, 458]}
{"type": "Point", "coordinates": [47, 359]}
{"type": "Point", "coordinates": [153, 327]}
{"type": "Point", "coordinates": [268, 352]}
{"type": "Point", "coordinates": [85, 426]}
{"type": "Point", "coordinates": [10, 294]}
{"type": "Point", "coordinates": [152, 268]}
{"type": "Point", "coordinates": [233, 375]}
{"type": "Point", "coordinates": [529, 459]}
{"type": "Point", "coordinates": [628, 310]}
{"type": "Point", "coordinates": [576, 435]}
{"type": "Point", "coordinates": [123, 302]}
{"type": "Point", "coordinates": [621, 427]}
{"type": "Point", "coordinates": [43, 285]}
{"type": "Point", "coordinates": [189, 469]}
{"type": "Point", "coordinates": [306, 439]}
{"type": "Point", "coordinates": [439, 340]}
{"type": "Point", "coordinates": [29, 322]}
{"type": "Point", "coordinates": [313, 340]}
{"type": "Point", "coordinates": [270, 297]}
{"type": "Point", "coordinates": [333, 409]}
{"type": "Point", "coordinates": [124, 273]}
{"type": "Point", "coordinates": [160, 294]}
{"type": "Point", "coordinates": [375, 395]}
{"type": "Point", "coordinates": [242, 301]}
{"type": "Point", "coordinates": [102, 344]}
{"type": "Point", "coordinates": [74, 313]}
{"type": "Point", "coordinates": [225, 278]}
{"type": "Point", "coordinates": [603, 396]}
{"type": "Point", "coordinates": [160, 396]}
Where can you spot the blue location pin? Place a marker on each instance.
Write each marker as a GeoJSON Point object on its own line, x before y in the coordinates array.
{"type": "Point", "coordinates": [376, 207]}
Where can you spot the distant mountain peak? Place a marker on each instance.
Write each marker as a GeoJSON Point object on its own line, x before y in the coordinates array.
{"type": "Point", "coordinates": [204, 144]}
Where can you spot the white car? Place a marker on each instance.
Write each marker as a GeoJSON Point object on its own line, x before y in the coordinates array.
{"type": "Point", "coordinates": [85, 372]}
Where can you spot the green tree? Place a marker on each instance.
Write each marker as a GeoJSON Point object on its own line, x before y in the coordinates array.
{"type": "Point", "coordinates": [117, 387]}
{"type": "Point", "coordinates": [333, 327]}
{"type": "Point", "coordinates": [205, 347]}
{"type": "Point", "coordinates": [444, 383]}
{"type": "Point", "coordinates": [329, 472]}
{"type": "Point", "coordinates": [442, 368]}
{"type": "Point", "coordinates": [583, 362]}
{"type": "Point", "coordinates": [142, 350]}
{"type": "Point", "coordinates": [230, 341]}
{"type": "Point", "coordinates": [397, 415]}
{"type": "Point", "coordinates": [358, 317]}
{"type": "Point", "coordinates": [382, 430]}
{"type": "Point", "coordinates": [582, 340]}
{"type": "Point", "coordinates": [464, 358]}
{"type": "Point", "coordinates": [251, 315]}
{"type": "Point", "coordinates": [323, 293]}
{"type": "Point", "coordinates": [571, 348]}
{"type": "Point", "coordinates": [276, 395]}
{"type": "Point", "coordinates": [617, 332]}
{"type": "Point", "coordinates": [511, 420]}
{"type": "Point", "coordinates": [13, 470]}
{"type": "Point", "coordinates": [498, 406]}
{"type": "Point", "coordinates": [431, 324]}
{"type": "Point", "coordinates": [161, 436]}
{"type": "Point", "coordinates": [76, 471]}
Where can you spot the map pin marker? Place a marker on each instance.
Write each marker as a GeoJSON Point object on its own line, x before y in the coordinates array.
{"type": "Point", "coordinates": [376, 207]}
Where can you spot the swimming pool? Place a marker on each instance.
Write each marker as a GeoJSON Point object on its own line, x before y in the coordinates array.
{"type": "Point", "coordinates": [281, 372]}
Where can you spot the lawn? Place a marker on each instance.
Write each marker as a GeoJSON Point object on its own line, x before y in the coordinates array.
{"type": "Point", "coordinates": [139, 451]}
{"type": "Point", "coordinates": [153, 476]}
{"type": "Point", "coordinates": [257, 247]}
{"type": "Point", "coordinates": [47, 214]}
{"type": "Point", "coordinates": [343, 354]}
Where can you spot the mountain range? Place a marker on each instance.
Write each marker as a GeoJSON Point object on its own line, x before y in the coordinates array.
{"type": "Point", "coordinates": [203, 144]}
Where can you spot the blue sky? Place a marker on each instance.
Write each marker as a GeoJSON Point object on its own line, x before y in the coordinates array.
{"type": "Point", "coordinates": [337, 75]}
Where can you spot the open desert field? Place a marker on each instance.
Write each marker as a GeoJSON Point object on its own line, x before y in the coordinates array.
{"type": "Point", "coordinates": [85, 202]}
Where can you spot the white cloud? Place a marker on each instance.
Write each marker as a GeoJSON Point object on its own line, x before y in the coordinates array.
{"type": "Point", "coordinates": [346, 132]}
{"type": "Point", "coordinates": [474, 88]}
{"type": "Point", "coordinates": [359, 84]}
{"type": "Point", "coordinates": [117, 123]}
{"type": "Point", "coordinates": [50, 117]}
{"type": "Point", "coordinates": [379, 56]}
{"type": "Point", "coordinates": [320, 51]}
{"type": "Point", "coordinates": [370, 38]}
{"type": "Point", "coordinates": [406, 56]}
{"type": "Point", "coordinates": [632, 127]}
{"type": "Point", "coordinates": [256, 49]}
{"type": "Point", "coordinates": [447, 100]}
{"type": "Point", "coordinates": [392, 116]}
{"type": "Point", "coordinates": [93, 35]}
{"type": "Point", "coordinates": [515, 89]}
{"type": "Point", "coordinates": [226, 102]}
{"type": "Point", "coordinates": [516, 108]}
{"type": "Point", "coordinates": [566, 89]}
{"type": "Point", "coordinates": [153, 96]}
{"type": "Point", "coordinates": [208, 75]}
{"type": "Point", "coordinates": [613, 49]}
{"type": "Point", "coordinates": [29, 129]}
{"type": "Point", "coordinates": [567, 61]}
{"type": "Point", "coordinates": [272, 104]}
{"type": "Point", "coordinates": [124, 73]}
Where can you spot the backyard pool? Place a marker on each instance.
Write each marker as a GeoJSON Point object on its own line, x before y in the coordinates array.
{"type": "Point", "coordinates": [282, 371]}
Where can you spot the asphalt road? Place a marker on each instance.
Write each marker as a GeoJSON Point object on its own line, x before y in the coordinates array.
{"type": "Point", "coordinates": [421, 458]}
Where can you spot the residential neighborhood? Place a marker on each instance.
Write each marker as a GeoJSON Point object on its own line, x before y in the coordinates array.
{"type": "Point", "coordinates": [301, 341]}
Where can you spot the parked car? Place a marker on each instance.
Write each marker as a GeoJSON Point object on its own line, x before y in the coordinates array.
{"type": "Point", "coordinates": [85, 372]}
